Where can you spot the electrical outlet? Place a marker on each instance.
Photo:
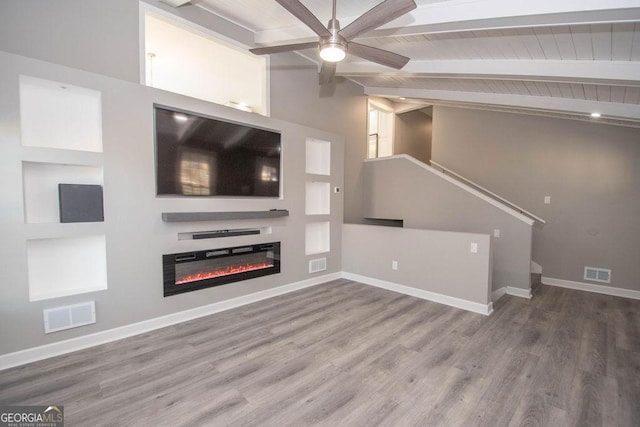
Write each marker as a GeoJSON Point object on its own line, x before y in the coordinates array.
{"type": "Point", "coordinates": [496, 232]}
{"type": "Point", "coordinates": [394, 265]}
{"type": "Point", "coordinates": [474, 248]}
{"type": "Point", "coordinates": [547, 200]}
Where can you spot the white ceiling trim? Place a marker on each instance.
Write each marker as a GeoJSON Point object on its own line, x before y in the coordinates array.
{"type": "Point", "coordinates": [624, 73]}
{"type": "Point", "coordinates": [476, 15]}
{"type": "Point", "coordinates": [586, 107]}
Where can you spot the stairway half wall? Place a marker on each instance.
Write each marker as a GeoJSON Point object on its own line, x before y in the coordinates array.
{"type": "Point", "coordinates": [403, 188]}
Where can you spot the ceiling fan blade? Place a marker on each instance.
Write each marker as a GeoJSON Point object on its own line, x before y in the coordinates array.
{"type": "Point", "coordinates": [378, 56]}
{"type": "Point", "coordinates": [298, 10]}
{"type": "Point", "coordinates": [282, 48]}
{"type": "Point", "coordinates": [327, 72]}
{"type": "Point", "coordinates": [385, 12]}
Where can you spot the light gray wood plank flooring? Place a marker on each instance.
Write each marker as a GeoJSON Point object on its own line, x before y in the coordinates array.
{"type": "Point", "coordinates": [346, 354]}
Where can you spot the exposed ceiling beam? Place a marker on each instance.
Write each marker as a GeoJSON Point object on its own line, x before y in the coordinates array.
{"type": "Point", "coordinates": [484, 15]}
{"type": "Point", "coordinates": [625, 73]}
{"type": "Point", "coordinates": [464, 15]}
{"type": "Point", "coordinates": [175, 3]}
{"type": "Point", "coordinates": [586, 107]}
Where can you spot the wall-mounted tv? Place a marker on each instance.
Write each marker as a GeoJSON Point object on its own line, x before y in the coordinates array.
{"type": "Point", "coordinates": [205, 156]}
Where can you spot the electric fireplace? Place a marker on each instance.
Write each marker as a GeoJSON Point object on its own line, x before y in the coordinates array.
{"type": "Point", "coordinates": [190, 271]}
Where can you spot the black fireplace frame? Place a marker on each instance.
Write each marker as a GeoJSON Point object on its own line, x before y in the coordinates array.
{"type": "Point", "coordinates": [169, 262]}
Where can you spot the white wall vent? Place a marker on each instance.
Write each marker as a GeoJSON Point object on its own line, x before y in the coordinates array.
{"type": "Point", "coordinates": [69, 316]}
{"type": "Point", "coordinates": [597, 274]}
{"type": "Point", "coordinates": [318, 264]}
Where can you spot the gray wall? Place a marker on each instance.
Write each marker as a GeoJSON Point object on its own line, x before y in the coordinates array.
{"type": "Point", "coordinates": [136, 237]}
{"type": "Point", "coordinates": [432, 261]}
{"type": "Point", "coordinates": [340, 108]}
{"type": "Point", "coordinates": [397, 188]}
{"type": "Point", "coordinates": [590, 171]}
{"type": "Point", "coordinates": [413, 135]}
{"type": "Point", "coordinates": [93, 35]}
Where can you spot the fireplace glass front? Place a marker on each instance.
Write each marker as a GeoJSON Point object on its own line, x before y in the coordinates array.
{"type": "Point", "coordinates": [189, 271]}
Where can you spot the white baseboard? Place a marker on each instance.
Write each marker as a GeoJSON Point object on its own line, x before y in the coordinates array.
{"type": "Point", "coordinates": [510, 290]}
{"type": "Point", "coordinates": [475, 307]}
{"type": "Point", "coordinates": [34, 354]}
{"type": "Point", "coordinates": [588, 287]}
{"type": "Point", "coordinates": [519, 292]}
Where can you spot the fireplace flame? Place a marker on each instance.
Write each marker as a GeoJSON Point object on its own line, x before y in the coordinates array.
{"type": "Point", "coordinates": [222, 272]}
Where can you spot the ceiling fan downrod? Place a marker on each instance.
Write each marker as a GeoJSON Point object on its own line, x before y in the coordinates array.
{"type": "Point", "coordinates": [334, 47]}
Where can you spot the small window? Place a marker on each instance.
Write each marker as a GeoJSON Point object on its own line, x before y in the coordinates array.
{"type": "Point", "coordinates": [184, 59]}
{"type": "Point", "coordinates": [380, 125]}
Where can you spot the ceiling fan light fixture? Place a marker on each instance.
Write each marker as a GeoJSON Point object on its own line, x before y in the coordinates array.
{"type": "Point", "coordinates": [332, 52]}
{"type": "Point", "coordinates": [333, 42]}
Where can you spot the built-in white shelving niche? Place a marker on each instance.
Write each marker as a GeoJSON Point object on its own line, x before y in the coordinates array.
{"type": "Point", "coordinates": [66, 266]}
{"type": "Point", "coordinates": [318, 197]}
{"type": "Point", "coordinates": [41, 181]}
{"type": "Point", "coordinates": [318, 157]}
{"type": "Point", "coordinates": [58, 115]}
{"type": "Point", "coordinates": [317, 237]}
{"type": "Point", "coordinates": [61, 132]}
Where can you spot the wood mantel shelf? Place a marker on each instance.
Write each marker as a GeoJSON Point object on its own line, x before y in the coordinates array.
{"type": "Point", "coordinates": [219, 216]}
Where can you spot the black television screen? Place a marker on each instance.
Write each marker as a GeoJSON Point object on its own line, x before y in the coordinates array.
{"type": "Point", "coordinates": [204, 156]}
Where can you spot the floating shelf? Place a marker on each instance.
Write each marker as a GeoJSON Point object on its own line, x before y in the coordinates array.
{"type": "Point", "coordinates": [219, 216]}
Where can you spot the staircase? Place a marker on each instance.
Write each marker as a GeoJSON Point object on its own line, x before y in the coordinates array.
{"type": "Point", "coordinates": [402, 188]}
{"type": "Point", "coordinates": [536, 269]}
{"type": "Point", "coordinates": [486, 192]}
{"type": "Point", "coordinates": [536, 276]}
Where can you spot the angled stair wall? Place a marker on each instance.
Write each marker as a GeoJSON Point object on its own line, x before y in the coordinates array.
{"type": "Point", "coordinates": [403, 188]}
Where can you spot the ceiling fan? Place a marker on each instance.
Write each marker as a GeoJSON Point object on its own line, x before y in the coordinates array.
{"type": "Point", "coordinates": [334, 43]}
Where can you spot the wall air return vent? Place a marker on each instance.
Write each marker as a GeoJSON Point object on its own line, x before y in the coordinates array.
{"type": "Point", "coordinates": [319, 264]}
{"type": "Point", "coordinates": [597, 274]}
{"type": "Point", "coordinates": [69, 316]}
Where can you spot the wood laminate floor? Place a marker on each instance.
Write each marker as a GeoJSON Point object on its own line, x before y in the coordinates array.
{"type": "Point", "coordinates": [347, 354]}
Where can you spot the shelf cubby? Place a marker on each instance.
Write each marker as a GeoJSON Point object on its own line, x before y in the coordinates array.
{"type": "Point", "coordinates": [66, 266]}
{"type": "Point", "coordinates": [317, 237]}
{"type": "Point", "coordinates": [41, 181]}
{"type": "Point", "coordinates": [318, 157]}
{"type": "Point", "coordinates": [58, 115]}
{"type": "Point", "coordinates": [318, 198]}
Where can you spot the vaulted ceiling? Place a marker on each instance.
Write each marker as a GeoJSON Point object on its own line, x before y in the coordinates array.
{"type": "Point", "coordinates": [556, 57]}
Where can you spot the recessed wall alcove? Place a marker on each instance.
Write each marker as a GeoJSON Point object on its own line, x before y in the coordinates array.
{"type": "Point", "coordinates": [61, 132]}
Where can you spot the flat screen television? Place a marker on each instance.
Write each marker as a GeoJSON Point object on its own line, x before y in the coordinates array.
{"type": "Point", "coordinates": [205, 156]}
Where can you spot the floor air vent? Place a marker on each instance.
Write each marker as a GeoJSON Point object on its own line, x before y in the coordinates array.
{"type": "Point", "coordinates": [597, 274]}
{"type": "Point", "coordinates": [69, 316]}
{"type": "Point", "coordinates": [316, 265]}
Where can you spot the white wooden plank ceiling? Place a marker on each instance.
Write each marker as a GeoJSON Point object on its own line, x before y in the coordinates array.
{"type": "Point", "coordinates": [569, 57]}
